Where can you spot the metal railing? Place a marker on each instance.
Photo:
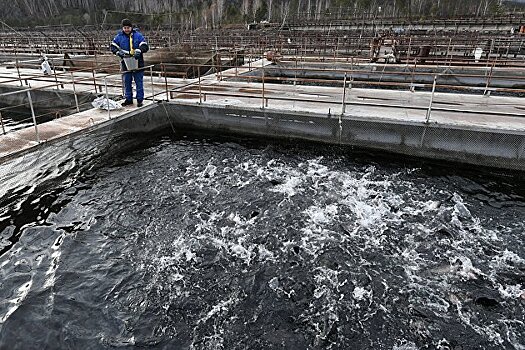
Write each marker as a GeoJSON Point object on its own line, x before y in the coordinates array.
{"type": "Point", "coordinates": [79, 83]}
{"type": "Point", "coordinates": [103, 82]}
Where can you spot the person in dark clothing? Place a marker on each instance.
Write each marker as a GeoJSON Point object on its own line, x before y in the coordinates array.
{"type": "Point", "coordinates": [129, 42]}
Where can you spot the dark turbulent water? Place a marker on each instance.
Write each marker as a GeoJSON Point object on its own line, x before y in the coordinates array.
{"type": "Point", "coordinates": [14, 120]}
{"type": "Point", "coordinates": [213, 243]}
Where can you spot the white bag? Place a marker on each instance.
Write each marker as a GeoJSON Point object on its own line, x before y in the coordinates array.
{"type": "Point", "coordinates": [45, 67]}
{"type": "Point", "coordinates": [107, 104]}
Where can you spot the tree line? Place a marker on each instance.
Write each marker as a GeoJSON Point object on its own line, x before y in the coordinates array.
{"type": "Point", "coordinates": [215, 13]}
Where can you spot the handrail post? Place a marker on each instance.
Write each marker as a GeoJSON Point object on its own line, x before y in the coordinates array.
{"type": "Point", "coordinates": [429, 110]}
{"type": "Point", "coordinates": [428, 113]}
{"type": "Point", "coordinates": [122, 84]}
{"type": "Point", "coordinates": [412, 87]}
{"type": "Point", "coordinates": [107, 96]}
{"type": "Point", "coordinates": [236, 61]}
{"type": "Point", "coordinates": [166, 82]}
{"type": "Point", "coordinates": [409, 49]}
{"type": "Point", "coordinates": [55, 74]}
{"type": "Point", "coordinates": [18, 71]}
{"type": "Point", "coordinates": [200, 92]}
{"type": "Point", "coordinates": [33, 115]}
{"type": "Point", "coordinates": [343, 104]}
{"type": "Point", "coordinates": [489, 78]}
{"type": "Point", "coordinates": [295, 80]}
{"type": "Point", "coordinates": [351, 72]}
{"type": "Point", "coordinates": [152, 87]}
{"type": "Point", "coordinates": [262, 101]}
{"type": "Point", "coordinates": [74, 92]}
{"type": "Point", "coordinates": [213, 61]}
{"type": "Point", "coordinates": [94, 81]}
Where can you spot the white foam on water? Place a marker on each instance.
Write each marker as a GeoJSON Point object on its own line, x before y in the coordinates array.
{"type": "Point", "coordinates": [241, 252]}
{"type": "Point", "coordinates": [511, 291]}
{"type": "Point", "coordinates": [507, 258]}
{"type": "Point", "coordinates": [265, 254]}
{"type": "Point", "coordinates": [489, 331]}
{"type": "Point", "coordinates": [220, 308]}
{"type": "Point", "coordinates": [513, 328]}
{"type": "Point", "coordinates": [215, 340]}
{"type": "Point", "coordinates": [208, 224]}
{"type": "Point", "coordinates": [289, 187]}
{"type": "Point", "coordinates": [361, 293]}
{"type": "Point", "coordinates": [459, 207]}
{"type": "Point", "coordinates": [374, 215]}
{"type": "Point", "coordinates": [274, 283]}
{"type": "Point", "coordinates": [463, 266]}
{"type": "Point", "coordinates": [317, 215]}
{"type": "Point", "coordinates": [405, 345]}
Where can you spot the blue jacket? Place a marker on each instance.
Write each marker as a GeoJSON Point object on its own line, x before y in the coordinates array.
{"type": "Point", "coordinates": [121, 42]}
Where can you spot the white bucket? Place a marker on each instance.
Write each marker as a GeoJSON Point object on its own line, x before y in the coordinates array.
{"type": "Point", "coordinates": [131, 63]}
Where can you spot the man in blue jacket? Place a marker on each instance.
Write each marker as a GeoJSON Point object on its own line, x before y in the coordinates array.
{"type": "Point", "coordinates": [130, 42]}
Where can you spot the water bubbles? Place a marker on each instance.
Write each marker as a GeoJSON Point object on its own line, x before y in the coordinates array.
{"type": "Point", "coordinates": [459, 207]}
{"type": "Point", "coordinates": [511, 291]}
{"type": "Point", "coordinates": [405, 345]}
{"type": "Point", "coordinates": [274, 283]}
{"type": "Point", "coordinates": [361, 293]}
{"type": "Point", "coordinates": [208, 172]}
{"type": "Point", "coordinates": [463, 267]}
{"type": "Point", "coordinates": [241, 252]}
{"type": "Point", "coordinates": [318, 215]}
{"type": "Point", "coordinates": [205, 246]}
{"type": "Point", "coordinates": [290, 187]}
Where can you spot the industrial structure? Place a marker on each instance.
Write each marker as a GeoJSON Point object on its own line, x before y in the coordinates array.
{"type": "Point", "coordinates": [450, 89]}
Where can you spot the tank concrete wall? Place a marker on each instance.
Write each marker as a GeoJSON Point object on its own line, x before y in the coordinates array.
{"type": "Point", "coordinates": [473, 145]}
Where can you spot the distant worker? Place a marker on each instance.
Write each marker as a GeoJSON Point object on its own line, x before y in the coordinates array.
{"type": "Point", "coordinates": [129, 43]}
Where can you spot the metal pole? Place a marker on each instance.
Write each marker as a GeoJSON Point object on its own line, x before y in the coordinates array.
{"type": "Point", "coordinates": [213, 61]}
{"type": "Point", "coordinates": [18, 71]}
{"type": "Point", "coordinates": [217, 60]}
{"type": "Point", "coordinates": [448, 47]}
{"type": "Point", "coordinates": [262, 64]}
{"type": "Point", "coordinates": [489, 78]}
{"type": "Point", "coordinates": [166, 82]}
{"type": "Point", "coordinates": [409, 49]}
{"type": "Point", "coordinates": [2, 123]}
{"type": "Point", "coordinates": [412, 88]}
{"type": "Point", "coordinates": [236, 60]}
{"type": "Point", "coordinates": [122, 87]}
{"type": "Point", "coordinates": [152, 87]}
{"type": "Point", "coordinates": [429, 110]}
{"type": "Point", "coordinates": [519, 49]}
{"type": "Point", "coordinates": [351, 72]}
{"type": "Point", "coordinates": [450, 57]}
{"type": "Point", "coordinates": [107, 96]}
{"type": "Point", "coordinates": [219, 63]}
{"type": "Point", "coordinates": [343, 103]}
{"type": "Point", "coordinates": [55, 74]}
{"type": "Point", "coordinates": [295, 80]}
{"type": "Point", "coordinates": [428, 113]}
{"type": "Point", "coordinates": [200, 92]}
{"type": "Point", "coordinates": [33, 115]}
{"type": "Point", "coordinates": [491, 48]}
{"type": "Point", "coordinates": [74, 91]}
{"type": "Point", "coordinates": [94, 81]}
